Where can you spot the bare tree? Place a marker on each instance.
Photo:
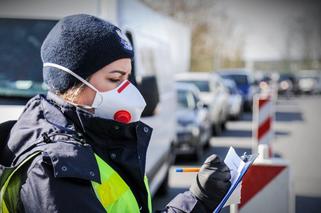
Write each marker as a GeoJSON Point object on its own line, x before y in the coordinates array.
{"type": "Point", "coordinates": [215, 43]}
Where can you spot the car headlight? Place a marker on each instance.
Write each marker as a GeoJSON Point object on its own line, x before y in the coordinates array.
{"type": "Point", "coordinates": [194, 129]}
{"type": "Point", "coordinates": [284, 85]}
{"type": "Point", "coordinates": [264, 86]}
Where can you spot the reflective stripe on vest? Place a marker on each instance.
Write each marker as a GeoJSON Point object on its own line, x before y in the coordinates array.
{"type": "Point", "coordinates": [113, 192]}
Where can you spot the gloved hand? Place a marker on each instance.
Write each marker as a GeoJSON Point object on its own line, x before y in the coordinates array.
{"type": "Point", "coordinates": [212, 182]}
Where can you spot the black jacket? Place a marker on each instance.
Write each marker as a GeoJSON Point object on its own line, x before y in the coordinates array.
{"type": "Point", "coordinates": [59, 180]}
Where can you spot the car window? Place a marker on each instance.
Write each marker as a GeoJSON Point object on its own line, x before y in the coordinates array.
{"type": "Point", "coordinates": [20, 62]}
{"type": "Point", "coordinates": [185, 99]}
{"type": "Point", "coordinates": [238, 79]}
{"type": "Point", "coordinates": [202, 85]}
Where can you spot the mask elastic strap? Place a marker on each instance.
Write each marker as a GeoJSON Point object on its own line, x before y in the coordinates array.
{"type": "Point", "coordinates": [65, 69]}
{"type": "Point", "coordinates": [71, 73]}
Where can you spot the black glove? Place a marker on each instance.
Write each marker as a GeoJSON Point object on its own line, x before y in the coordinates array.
{"type": "Point", "coordinates": [212, 182]}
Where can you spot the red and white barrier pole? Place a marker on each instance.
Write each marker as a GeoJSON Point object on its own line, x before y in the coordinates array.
{"type": "Point", "coordinates": [263, 118]}
{"type": "Point", "coordinates": [267, 186]}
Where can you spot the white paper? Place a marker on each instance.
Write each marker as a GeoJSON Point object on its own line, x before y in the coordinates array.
{"type": "Point", "coordinates": [236, 165]}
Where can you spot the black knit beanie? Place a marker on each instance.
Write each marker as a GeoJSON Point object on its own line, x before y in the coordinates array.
{"type": "Point", "coordinates": [84, 44]}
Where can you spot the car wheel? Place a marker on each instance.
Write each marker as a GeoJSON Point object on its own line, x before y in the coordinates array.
{"type": "Point", "coordinates": [173, 153]}
{"type": "Point", "coordinates": [223, 125]}
{"type": "Point", "coordinates": [239, 115]}
{"type": "Point", "coordinates": [217, 129]}
{"type": "Point", "coordinates": [207, 144]}
{"type": "Point", "coordinates": [198, 152]}
{"type": "Point", "coordinates": [163, 188]}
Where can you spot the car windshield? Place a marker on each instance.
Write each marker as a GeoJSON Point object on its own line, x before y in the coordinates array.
{"type": "Point", "coordinates": [286, 77]}
{"type": "Point", "coordinates": [239, 79]}
{"type": "Point", "coordinates": [185, 99]}
{"type": "Point", "coordinates": [20, 62]}
{"type": "Point", "coordinates": [203, 86]}
{"type": "Point", "coordinates": [309, 77]}
{"type": "Point", "coordinates": [232, 89]}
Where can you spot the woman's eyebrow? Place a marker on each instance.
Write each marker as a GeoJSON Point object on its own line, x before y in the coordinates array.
{"type": "Point", "coordinates": [119, 71]}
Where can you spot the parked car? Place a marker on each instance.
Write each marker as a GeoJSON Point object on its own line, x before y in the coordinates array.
{"type": "Point", "coordinates": [244, 82]}
{"type": "Point", "coordinates": [193, 123]}
{"type": "Point", "coordinates": [235, 101]}
{"type": "Point", "coordinates": [309, 81]}
{"type": "Point", "coordinates": [213, 94]}
{"type": "Point", "coordinates": [288, 84]}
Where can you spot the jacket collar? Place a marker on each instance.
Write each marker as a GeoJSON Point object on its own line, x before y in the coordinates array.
{"type": "Point", "coordinates": [105, 135]}
{"type": "Point", "coordinates": [87, 123]}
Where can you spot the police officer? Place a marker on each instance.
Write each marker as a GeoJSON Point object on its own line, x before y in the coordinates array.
{"type": "Point", "coordinates": [73, 150]}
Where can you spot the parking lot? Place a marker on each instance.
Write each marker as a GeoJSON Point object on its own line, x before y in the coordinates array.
{"type": "Point", "coordinates": [296, 140]}
{"type": "Point", "coordinates": [138, 83]}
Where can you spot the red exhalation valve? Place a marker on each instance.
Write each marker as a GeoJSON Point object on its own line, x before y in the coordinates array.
{"type": "Point", "coordinates": [122, 116]}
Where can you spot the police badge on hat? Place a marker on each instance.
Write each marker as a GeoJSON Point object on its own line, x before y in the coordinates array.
{"type": "Point", "coordinates": [124, 40]}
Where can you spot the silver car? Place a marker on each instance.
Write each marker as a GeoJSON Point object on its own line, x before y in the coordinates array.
{"type": "Point", "coordinates": [213, 94]}
{"type": "Point", "coordinates": [193, 124]}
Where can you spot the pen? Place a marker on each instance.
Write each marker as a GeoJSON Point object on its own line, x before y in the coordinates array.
{"type": "Point", "coordinates": [191, 170]}
{"type": "Point", "coordinates": [187, 169]}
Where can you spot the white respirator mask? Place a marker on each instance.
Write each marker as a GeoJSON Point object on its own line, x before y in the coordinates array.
{"type": "Point", "coordinates": [124, 104]}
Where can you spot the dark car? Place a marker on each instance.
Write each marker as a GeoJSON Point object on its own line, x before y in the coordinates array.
{"type": "Point", "coordinates": [193, 123]}
{"type": "Point", "coordinates": [245, 84]}
{"type": "Point", "coordinates": [288, 84]}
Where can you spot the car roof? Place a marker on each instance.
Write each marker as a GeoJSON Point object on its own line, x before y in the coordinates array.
{"type": "Point", "coordinates": [186, 86]}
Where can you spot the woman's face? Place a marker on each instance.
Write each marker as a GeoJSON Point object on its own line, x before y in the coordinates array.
{"type": "Point", "coordinates": [105, 79]}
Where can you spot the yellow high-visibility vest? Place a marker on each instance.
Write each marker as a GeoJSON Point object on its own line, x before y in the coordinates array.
{"type": "Point", "coordinates": [113, 192]}
{"type": "Point", "coordinates": [9, 192]}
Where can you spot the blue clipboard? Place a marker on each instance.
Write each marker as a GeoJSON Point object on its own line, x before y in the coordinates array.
{"type": "Point", "coordinates": [248, 160]}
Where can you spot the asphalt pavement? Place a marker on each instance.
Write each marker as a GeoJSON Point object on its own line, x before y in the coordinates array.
{"type": "Point", "coordinates": [297, 139]}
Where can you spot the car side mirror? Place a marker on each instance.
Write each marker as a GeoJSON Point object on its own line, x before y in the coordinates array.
{"type": "Point", "coordinates": [149, 89]}
{"type": "Point", "coordinates": [204, 105]}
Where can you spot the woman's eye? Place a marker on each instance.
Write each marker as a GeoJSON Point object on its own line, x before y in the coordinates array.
{"type": "Point", "coordinates": [114, 80]}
